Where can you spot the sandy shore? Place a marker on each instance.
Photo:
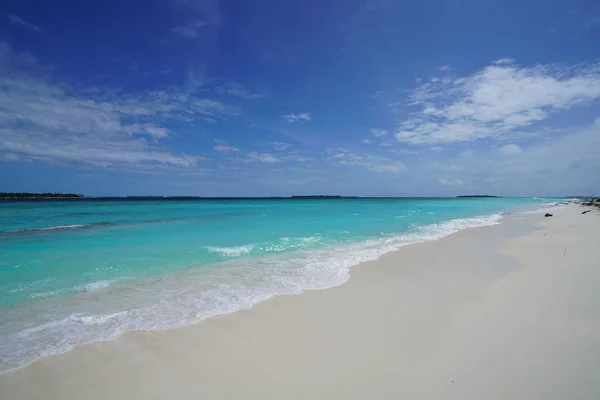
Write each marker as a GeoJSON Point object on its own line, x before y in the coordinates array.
{"type": "Point", "coordinates": [503, 312]}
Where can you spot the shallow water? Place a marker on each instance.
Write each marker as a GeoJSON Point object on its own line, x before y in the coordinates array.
{"type": "Point", "coordinates": [83, 271]}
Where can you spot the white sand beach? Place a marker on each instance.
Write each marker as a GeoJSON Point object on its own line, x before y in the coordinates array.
{"type": "Point", "coordinates": [510, 311]}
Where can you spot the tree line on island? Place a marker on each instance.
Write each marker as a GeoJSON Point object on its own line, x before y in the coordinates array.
{"type": "Point", "coordinates": [26, 195]}
{"type": "Point", "coordinates": [21, 195]}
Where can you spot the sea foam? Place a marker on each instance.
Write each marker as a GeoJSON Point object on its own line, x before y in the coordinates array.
{"type": "Point", "coordinates": [189, 296]}
{"type": "Point", "coordinates": [54, 228]}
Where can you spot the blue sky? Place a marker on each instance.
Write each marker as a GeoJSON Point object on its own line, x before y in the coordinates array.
{"type": "Point", "coordinates": [260, 98]}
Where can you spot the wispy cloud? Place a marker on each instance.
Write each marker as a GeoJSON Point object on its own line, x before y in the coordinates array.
{"type": "Point", "coordinates": [297, 117]}
{"type": "Point", "coordinates": [407, 152]}
{"type": "Point", "coordinates": [235, 89]}
{"type": "Point", "coordinates": [445, 68]}
{"type": "Point", "coordinates": [42, 120]}
{"type": "Point", "coordinates": [566, 157]}
{"type": "Point", "coordinates": [299, 158]}
{"type": "Point", "coordinates": [595, 21]}
{"type": "Point", "coordinates": [24, 145]}
{"type": "Point", "coordinates": [223, 147]}
{"type": "Point", "coordinates": [254, 156]}
{"type": "Point", "coordinates": [379, 132]}
{"type": "Point", "coordinates": [504, 61]}
{"type": "Point", "coordinates": [190, 30]}
{"type": "Point", "coordinates": [510, 149]}
{"type": "Point", "coordinates": [450, 181]}
{"type": "Point", "coordinates": [16, 20]}
{"type": "Point", "coordinates": [11, 61]}
{"type": "Point", "coordinates": [497, 102]}
{"type": "Point", "coordinates": [149, 129]}
{"type": "Point", "coordinates": [206, 10]}
{"type": "Point", "coordinates": [372, 162]}
{"type": "Point", "coordinates": [279, 146]}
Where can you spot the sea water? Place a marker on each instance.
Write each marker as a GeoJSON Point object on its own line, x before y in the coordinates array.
{"type": "Point", "coordinates": [82, 271]}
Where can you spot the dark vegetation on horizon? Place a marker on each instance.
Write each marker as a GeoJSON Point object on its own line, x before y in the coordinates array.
{"type": "Point", "coordinates": [476, 195]}
{"type": "Point", "coordinates": [321, 196]}
{"type": "Point", "coordinates": [72, 196]}
{"type": "Point", "coordinates": [15, 195]}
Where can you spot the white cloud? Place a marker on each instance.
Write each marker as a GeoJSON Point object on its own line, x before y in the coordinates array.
{"type": "Point", "coordinates": [235, 89]}
{"type": "Point", "coordinates": [297, 117]}
{"type": "Point", "coordinates": [563, 164]}
{"type": "Point", "coordinates": [279, 146]}
{"type": "Point", "coordinates": [403, 151]}
{"type": "Point", "coordinates": [190, 30]}
{"type": "Point", "coordinates": [16, 20]}
{"type": "Point", "coordinates": [223, 147]}
{"type": "Point", "coordinates": [450, 181]}
{"type": "Point", "coordinates": [372, 162]}
{"type": "Point", "coordinates": [365, 141]}
{"type": "Point", "coordinates": [88, 149]}
{"type": "Point", "coordinates": [498, 102]}
{"type": "Point", "coordinates": [385, 167]}
{"type": "Point", "coordinates": [379, 132]}
{"type": "Point", "coordinates": [504, 61]}
{"type": "Point", "coordinates": [211, 109]}
{"type": "Point", "coordinates": [156, 131]}
{"type": "Point", "coordinates": [149, 129]}
{"type": "Point", "coordinates": [445, 68]}
{"type": "Point", "coordinates": [44, 120]}
{"type": "Point", "coordinates": [510, 149]}
{"type": "Point", "coordinates": [254, 156]}
{"type": "Point", "coordinates": [297, 158]}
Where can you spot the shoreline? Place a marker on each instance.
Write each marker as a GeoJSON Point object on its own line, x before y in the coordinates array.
{"type": "Point", "coordinates": [288, 336]}
{"type": "Point", "coordinates": [368, 250]}
{"type": "Point", "coordinates": [503, 219]}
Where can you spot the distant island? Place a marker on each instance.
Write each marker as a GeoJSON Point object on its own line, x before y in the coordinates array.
{"type": "Point", "coordinates": [45, 196]}
{"type": "Point", "coordinates": [14, 195]}
{"type": "Point", "coordinates": [476, 195]}
{"type": "Point", "coordinates": [320, 196]}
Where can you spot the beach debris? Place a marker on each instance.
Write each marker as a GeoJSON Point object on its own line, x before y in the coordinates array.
{"type": "Point", "coordinates": [592, 201]}
{"type": "Point", "coordinates": [561, 203]}
{"type": "Point", "coordinates": [586, 211]}
{"type": "Point", "coordinates": [548, 215]}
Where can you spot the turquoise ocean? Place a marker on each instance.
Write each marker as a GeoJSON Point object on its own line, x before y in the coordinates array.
{"type": "Point", "coordinates": [83, 271]}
